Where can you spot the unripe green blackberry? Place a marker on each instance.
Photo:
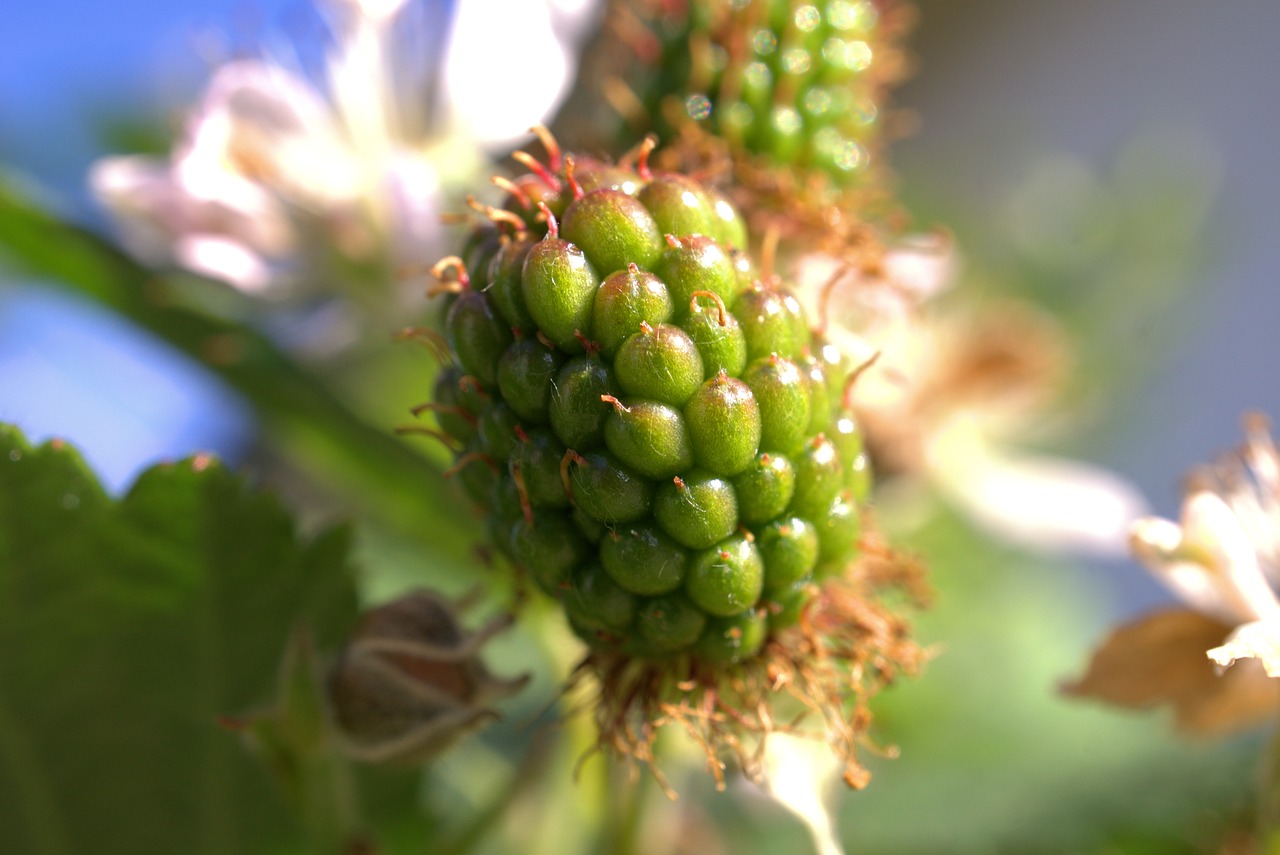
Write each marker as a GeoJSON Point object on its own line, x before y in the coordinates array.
{"type": "Point", "coordinates": [651, 427]}
{"type": "Point", "coordinates": [796, 85]}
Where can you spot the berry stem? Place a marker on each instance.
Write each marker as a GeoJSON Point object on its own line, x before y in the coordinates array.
{"type": "Point", "coordinates": [633, 32]}
{"type": "Point", "coordinates": [497, 216]}
{"type": "Point", "coordinates": [625, 102]}
{"type": "Point", "coordinates": [466, 460]}
{"type": "Point", "coordinates": [553, 227]}
{"type": "Point", "coordinates": [513, 189]}
{"type": "Point", "coordinates": [421, 430]}
{"type": "Point", "coordinates": [472, 384]}
{"type": "Point", "coordinates": [618, 406]}
{"type": "Point", "coordinates": [454, 263]}
{"type": "Point", "coordinates": [769, 252]}
{"type": "Point", "coordinates": [433, 407]}
{"type": "Point", "coordinates": [431, 339]}
{"type": "Point", "coordinates": [693, 304]}
{"type": "Point", "coordinates": [570, 457]}
{"type": "Point", "coordinates": [846, 399]}
{"type": "Point", "coordinates": [550, 143]}
{"type": "Point", "coordinates": [525, 507]}
{"type": "Point", "coordinates": [828, 288]}
{"type": "Point", "coordinates": [535, 166]}
{"type": "Point", "coordinates": [639, 154]}
{"type": "Point", "coordinates": [574, 186]}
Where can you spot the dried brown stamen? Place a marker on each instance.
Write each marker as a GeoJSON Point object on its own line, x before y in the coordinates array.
{"type": "Point", "coordinates": [431, 339]}
{"type": "Point", "coordinates": [443, 438]}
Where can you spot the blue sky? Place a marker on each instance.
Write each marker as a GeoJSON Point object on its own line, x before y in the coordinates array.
{"type": "Point", "coordinates": [62, 56]}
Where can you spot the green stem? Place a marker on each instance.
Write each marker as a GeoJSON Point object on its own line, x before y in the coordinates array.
{"type": "Point", "coordinates": [330, 809]}
{"type": "Point", "coordinates": [626, 800]}
{"type": "Point", "coordinates": [1268, 824]}
{"type": "Point", "coordinates": [529, 771]}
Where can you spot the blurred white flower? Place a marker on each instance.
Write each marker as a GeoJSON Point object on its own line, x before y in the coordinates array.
{"type": "Point", "coordinates": [953, 393]}
{"type": "Point", "coordinates": [1223, 558]}
{"type": "Point", "coordinates": [288, 188]}
{"type": "Point", "coordinates": [801, 774]}
{"type": "Point", "coordinates": [505, 69]}
{"type": "Point", "coordinates": [858, 303]}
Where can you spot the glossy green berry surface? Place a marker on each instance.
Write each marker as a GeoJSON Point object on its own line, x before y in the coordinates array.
{"type": "Point", "coordinates": [653, 431]}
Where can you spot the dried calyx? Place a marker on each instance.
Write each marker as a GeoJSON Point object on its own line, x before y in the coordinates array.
{"type": "Point", "coordinates": [410, 681]}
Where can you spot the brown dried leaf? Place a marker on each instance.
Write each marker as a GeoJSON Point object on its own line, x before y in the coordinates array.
{"type": "Point", "coordinates": [1161, 659]}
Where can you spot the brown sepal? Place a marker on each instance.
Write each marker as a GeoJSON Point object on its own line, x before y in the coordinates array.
{"type": "Point", "coordinates": [1160, 659]}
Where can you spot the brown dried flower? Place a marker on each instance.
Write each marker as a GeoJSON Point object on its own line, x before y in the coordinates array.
{"type": "Point", "coordinates": [410, 681]}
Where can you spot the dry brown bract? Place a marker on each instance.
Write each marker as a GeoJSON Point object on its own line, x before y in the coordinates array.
{"type": "Point", "coordinates": [410, 681]}
{"type": "Point", "coordinates": [1160, 659]}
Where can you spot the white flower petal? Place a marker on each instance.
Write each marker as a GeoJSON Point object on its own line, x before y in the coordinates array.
{"type": "Point", "coordinates": [486, 96]}
{"type": "Point", "coordinates": [374, 10]}
{"type": "Point", "coordinates": [223, 258]}
{"type": "Point", "coordinates": [414, 194]}
{"type": "Point", "coordinates": [1213, 535]}
{"type": "Point", "coordinates": [261, 122]}
{"type": "Point", "coordinates": [1257, 640]}
{"type": "Point", "coordinates": [140, 193]}
{"type": "Point", "coordinates": [361, 85]}
{"type": "Point", "coordinates": [269, 98]}
{"type": "Point", "coordinates": [1156, 543]}
{"type": "Point", "coordinates": [1208, 560]}
{"type": "Point", "coordinates": [156, 209]}
{"type": "Point", "coordinates": [1046, 503]}
{"type": "Point", "coordinates": [799, 774]}
{"type": "Point", "coordinates": [850, 300]}
{"type": "Point", "coordinates": [922, 265]}
{"type": "Point", "coordinates": [274, 174]}
{"type": "Point", "coordinates": [574, 20]}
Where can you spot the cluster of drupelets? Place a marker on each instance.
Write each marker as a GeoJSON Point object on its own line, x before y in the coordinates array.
{"type": "Point", "coordinates": [798, 83]}
{"type": "Point", "coordinates": [659, 441]}
{"type": "Point", "coordinates": [793, 92]}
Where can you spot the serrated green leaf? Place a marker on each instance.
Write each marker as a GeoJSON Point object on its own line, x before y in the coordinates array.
{"type": "Point", "coordinates": [128, 628]}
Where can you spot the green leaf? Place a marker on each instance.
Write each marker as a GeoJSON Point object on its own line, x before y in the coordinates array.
{"type": "Point", "coordinates": [129, 629]}
{"type": "Point", "coordinates": [305, 421]}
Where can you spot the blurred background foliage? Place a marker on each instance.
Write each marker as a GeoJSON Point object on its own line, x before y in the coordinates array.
{"type": "Point", "coordinates": [1109, 162]}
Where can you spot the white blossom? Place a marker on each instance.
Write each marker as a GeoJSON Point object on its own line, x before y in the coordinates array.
{"type": "Point", "coordinates": [289, 187]}
{"type": "Point", "coordinates": [1223, 556]}
{"type": "Point", "coordinates": [801, 775]}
